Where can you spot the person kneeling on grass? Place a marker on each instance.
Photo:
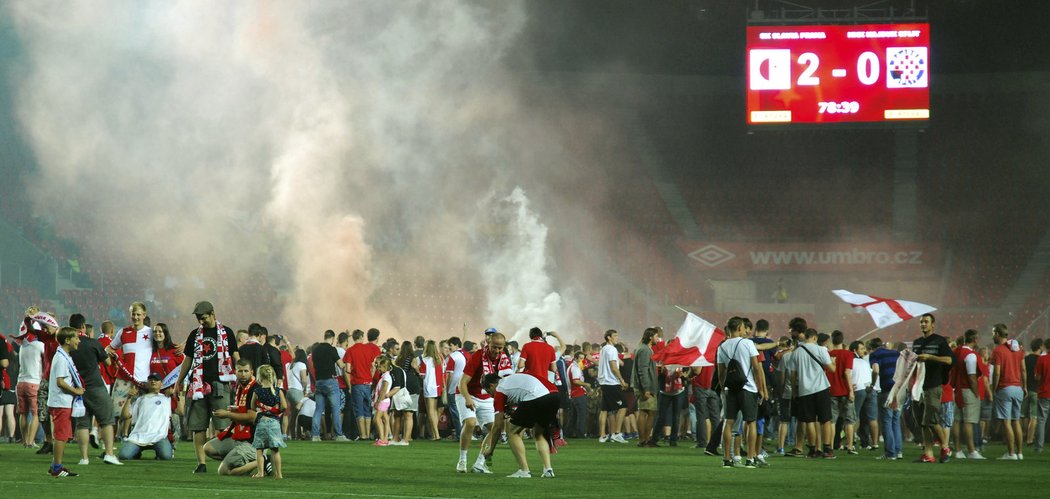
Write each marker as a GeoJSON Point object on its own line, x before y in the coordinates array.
{"type": "Point", "coordinates": [152, 416]}
{"type": "Point", "coordinates": [233, 446]}
{"type": "Point", "coordinates": [537, 401]}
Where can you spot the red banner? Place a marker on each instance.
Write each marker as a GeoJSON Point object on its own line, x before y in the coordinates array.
{"type": "Point", "coordinates": [830, 257]}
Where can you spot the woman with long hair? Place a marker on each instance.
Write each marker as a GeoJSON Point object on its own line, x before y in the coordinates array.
{"type": "Point", "coordinates": [167, 358]}
{"type": "Point", "coordinates": [433, 384]}
{"type": "Point", "coordinates": [406, 375]}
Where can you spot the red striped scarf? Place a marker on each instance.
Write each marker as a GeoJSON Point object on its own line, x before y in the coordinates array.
{"type": "Point", "coordinates": [198, 389]}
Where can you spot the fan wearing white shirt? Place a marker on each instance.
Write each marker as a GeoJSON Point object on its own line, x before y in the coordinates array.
{"type": "Point", "coordinates": [612, 386]}
{"type": "Point", "coordinates": [537, 405]}
{"type": "Point", "coordinates": [864, 390]}
{"type": "Point", "coordinates": [152, 415]}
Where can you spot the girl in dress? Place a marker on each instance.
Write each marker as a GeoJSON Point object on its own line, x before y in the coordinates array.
{"type": "Point", "coordinates": [381, 393]}
{"type": "Point", "coordinates": [269, 403]}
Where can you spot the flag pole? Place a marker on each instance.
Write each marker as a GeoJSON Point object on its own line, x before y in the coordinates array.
{"type": "Point", "coordinates": [682, 309]}
{"type": "Point", "coordinates": [867, 333]}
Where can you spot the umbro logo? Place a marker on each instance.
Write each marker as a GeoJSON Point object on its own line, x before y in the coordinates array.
{"type": "Point", "coordinates": [712, 255]}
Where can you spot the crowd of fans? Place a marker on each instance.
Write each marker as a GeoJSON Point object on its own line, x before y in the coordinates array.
{"type": "Point", "coordinates": [239, 396]}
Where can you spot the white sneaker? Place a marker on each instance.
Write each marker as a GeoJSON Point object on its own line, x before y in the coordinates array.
{"type": "Point", "coordinates": [315, 438]}
{"type": "Point", "coordinates": [1008, 457]}
{"type": "Point", "coordinates": [399, 442]}
{"type": "Point", "coordinates": [520, 474]}
{"type": "Point", "coordinates": [110, 459]}
{"type": "Point", "coordinates": [461, 466]}
{"type": "Point", "coordinates": [960, 455]}
{"type": "Point", "coordinates": [737, 460]}
{"type": "Point", "coordinates": [1020, 457]}
{"type": "Point", "coordinates": [618, 438]}
{"type": "Point", "coordinates": [547, 474]}
{"type": "Point", "coordinates": [83, 462]}
{"type": "Point", "coordinates": [602, 439]}
{"type": "Point", "coordinates": [341, 438]}
{"type": "Point", "coordinates": [975, 455]}
{"type": "Point", "coordinates": [480, 468]}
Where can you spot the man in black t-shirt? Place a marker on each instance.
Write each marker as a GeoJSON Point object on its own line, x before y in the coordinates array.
{"type": "Point", "coordinates": [97, 403]}
{"type": "Point", "coordinates": [211, 351]}
{"type": "Point", "coordinates": [327, 394]}
{"type": "Point", "coordinates": [934, 351]}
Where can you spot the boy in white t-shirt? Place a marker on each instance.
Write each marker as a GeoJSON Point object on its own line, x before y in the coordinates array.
{"type": "Point", "coordinates": [63, 386]}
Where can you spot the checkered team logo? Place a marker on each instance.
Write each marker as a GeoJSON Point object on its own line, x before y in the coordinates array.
{"type": "Point", "coordinates": [712, 255]}
{"type": "Point", "coordinates": [907, 67]}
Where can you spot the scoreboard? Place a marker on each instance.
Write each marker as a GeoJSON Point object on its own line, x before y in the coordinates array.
{"type": "Point", "coordinates": [862, 73]}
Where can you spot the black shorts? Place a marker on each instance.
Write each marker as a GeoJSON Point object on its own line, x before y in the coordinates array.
{"type": "Point", "coordinates": [815, 407]}
{"type": "Point", "coordinates": [742, 401]}
{"type": "Point", "coordinates": [612, 398]}
{"type": "Point", "coordinates": [784, 410]}
{"type": "Point", "coordinates": [537, 412]}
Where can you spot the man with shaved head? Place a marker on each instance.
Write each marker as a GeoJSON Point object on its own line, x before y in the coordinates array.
{"type": "Point", "coordinates": [475, 404]}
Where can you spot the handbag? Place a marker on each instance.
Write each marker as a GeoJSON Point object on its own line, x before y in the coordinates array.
{"type": "Point", "coordinates": [78, 410]}
{"type": "Point", "coordinates": [402, 400]}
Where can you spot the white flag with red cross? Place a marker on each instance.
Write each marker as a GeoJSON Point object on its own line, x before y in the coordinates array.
{"type": "Point", "coordinates": [884, 311]}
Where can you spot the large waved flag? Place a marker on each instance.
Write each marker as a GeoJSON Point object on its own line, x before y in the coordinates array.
{"type": "Point", "coordinates": [695, 344]}
{"type": "Point", "coordinates": [884, 311]}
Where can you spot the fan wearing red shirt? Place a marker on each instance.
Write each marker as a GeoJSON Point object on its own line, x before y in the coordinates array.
{"type": "Point", "coordinates": [842, 395]}
{"type": "Point", "coordinates": [1042, 375]}
{"type": "Point", "coordinates": [166, 359]}
{"type": "Point", "coordinates": [109, 372]}
{"type": "Point", "coordinates": [1009, 383]}
{"type": "Point", "coordinates": [537, 357]}
{"type": "Point", "coordinates": [577, 420]}
{"type": "Point", "coordinates": [475, 404]}
{"type": "Point", "coordinates": [136, 343]}
{"type": "Point", "coordinates": [360, 359]}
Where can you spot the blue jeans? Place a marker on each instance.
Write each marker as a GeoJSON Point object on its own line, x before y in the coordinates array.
{"type": "Point", "coordinates": [453, 412]}
{"type": "Point", "coordinates": [134, 451]}
{"type": "Point", "coordinates": [327, 391]}
{"type": "Point", "coordinates": [890, 421]}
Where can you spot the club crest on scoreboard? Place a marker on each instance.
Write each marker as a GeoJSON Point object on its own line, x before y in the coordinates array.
{"type": "Point", "coordinates": [907, 67]}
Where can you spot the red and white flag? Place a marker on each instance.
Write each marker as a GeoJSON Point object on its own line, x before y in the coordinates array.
{"type": "Point", "coordinates": [695, 344]}
{"type": "Point", "coordinates": [884, 311]}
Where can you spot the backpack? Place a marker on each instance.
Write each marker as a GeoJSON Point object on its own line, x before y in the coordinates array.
{"type": "Point", "coordinates": [736, 378]}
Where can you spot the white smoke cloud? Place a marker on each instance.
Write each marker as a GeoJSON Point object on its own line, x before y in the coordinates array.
{"type": "Point", "coordinates": [516, 269]}
{"type": "Point", "coordinates": [339, 148]}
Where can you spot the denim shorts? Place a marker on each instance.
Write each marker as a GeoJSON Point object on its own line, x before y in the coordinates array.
{"type": "Point", "coordinates": [1008, 402]}
{"type": "Point", "coordinates": [361, 400]}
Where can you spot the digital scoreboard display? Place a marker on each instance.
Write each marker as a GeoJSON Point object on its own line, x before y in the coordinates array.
{"type": "Point", "coordinates": [862, 73]}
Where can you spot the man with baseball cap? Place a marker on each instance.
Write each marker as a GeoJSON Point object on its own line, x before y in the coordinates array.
{"type": "Point", "coordinates": [211, 351]}
{"type": "Point", "coordinates": [152, 415]}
